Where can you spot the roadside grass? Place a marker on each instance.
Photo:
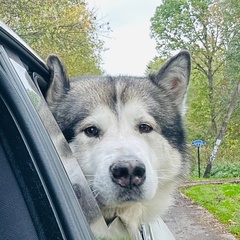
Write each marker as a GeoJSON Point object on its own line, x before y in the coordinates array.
{"type": "Point", "coordinates": [222, 200]}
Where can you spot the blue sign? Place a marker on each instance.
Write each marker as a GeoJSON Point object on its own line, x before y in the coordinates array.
{"type": "Point", "coordinates": [198, 143]}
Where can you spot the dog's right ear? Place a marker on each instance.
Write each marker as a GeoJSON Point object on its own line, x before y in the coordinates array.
{"type": "Point", "coordinates": [59, 82]}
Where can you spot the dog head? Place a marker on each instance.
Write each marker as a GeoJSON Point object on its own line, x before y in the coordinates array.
{"type": "Point", "coordinates": [126, 132]}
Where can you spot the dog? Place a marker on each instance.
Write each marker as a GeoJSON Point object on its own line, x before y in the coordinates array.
{"type": "Point", "coordinates": [128, 135]}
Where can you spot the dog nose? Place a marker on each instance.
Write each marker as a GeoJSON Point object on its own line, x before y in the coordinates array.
{"type": "Point", "coordinates": [128, 173]}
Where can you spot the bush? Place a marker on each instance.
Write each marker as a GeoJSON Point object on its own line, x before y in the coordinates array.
{"type": "Point", "coordinates": [219, 170]}
{"type": "Point", "coordinates": [226, 170]}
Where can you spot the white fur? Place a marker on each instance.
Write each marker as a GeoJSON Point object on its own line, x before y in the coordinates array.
{"type": "Point", "coordinates": [121, 139]}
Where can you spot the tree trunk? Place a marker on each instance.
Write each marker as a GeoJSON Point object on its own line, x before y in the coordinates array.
{"type": "Point", "coordinates": [210, 94]}
{"type": "Point", "coordinates": [222, 131]}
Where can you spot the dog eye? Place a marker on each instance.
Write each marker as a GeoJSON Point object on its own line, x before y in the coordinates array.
{"type": "Point", "coordinates": [144, 128]}
{"type": "Point", "coordinates": [92, 131]}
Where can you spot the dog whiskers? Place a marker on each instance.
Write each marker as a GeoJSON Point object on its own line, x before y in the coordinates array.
{"type": "Point", "coordinates": [95, 192]}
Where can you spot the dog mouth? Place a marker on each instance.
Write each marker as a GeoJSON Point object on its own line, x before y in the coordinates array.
{"type": "Point", "coordinates": [129, 195]}
{"type": "Point", "coordinates": [121, 196]}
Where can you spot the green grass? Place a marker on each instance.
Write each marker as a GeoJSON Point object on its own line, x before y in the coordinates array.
{"type": "Point", "coordinates": [222, 200]}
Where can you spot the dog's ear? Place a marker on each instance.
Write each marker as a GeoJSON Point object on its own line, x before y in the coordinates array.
{"type": "Point", "coordinates": [174, 76]}
{"type": "Point", "coordinates": [59, 82]}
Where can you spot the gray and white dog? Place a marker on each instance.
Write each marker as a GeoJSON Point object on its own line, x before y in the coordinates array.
{"type": "Point", "coordinates": [127, 134]}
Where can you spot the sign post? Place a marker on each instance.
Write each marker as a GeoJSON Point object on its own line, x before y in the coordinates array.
{"type": "Point", "coordinates": [198, 144]}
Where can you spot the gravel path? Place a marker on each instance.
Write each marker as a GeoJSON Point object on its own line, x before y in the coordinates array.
{"type": "Point", "coordinates": [188, 221]}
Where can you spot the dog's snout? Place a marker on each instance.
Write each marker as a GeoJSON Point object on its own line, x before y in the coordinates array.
{"type": "Point", "coordinates": [128, 173]}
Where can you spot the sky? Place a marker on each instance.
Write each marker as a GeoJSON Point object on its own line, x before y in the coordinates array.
{"type": "Point", "coordinates": [129, 45]}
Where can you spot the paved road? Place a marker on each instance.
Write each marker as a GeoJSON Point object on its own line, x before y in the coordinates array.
{"type": "Point", "coordinates": [187, 221]}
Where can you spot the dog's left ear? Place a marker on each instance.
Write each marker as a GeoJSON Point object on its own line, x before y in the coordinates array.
{"type": "Point", "coordinates": [174, 76]}
{"type": "Point", "coordinates": [59, 82]}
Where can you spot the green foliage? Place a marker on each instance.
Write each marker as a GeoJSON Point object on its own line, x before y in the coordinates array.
{"type": "Point", "coordinates": [155, 65]}
{"type": "Point", "coordinates": [191, 25]}
{"type": "Point", "coordinates": [223, 201]}
{"type": "Point", "coordinates": [63, 27]}
{"type": "Point", "coordinates": [198, 27]}
{"type": "Point", "coordinates": [220, 170]}
{"type": "Point", "coordinates": [210, 30]}
{"type": "Point", "coordinates": [198, 118]}
{"type": "Point", "coordinates": [226, 170]}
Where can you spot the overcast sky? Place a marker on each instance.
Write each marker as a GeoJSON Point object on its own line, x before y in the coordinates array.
{"type": "Point", "coordinates": [130, 46]}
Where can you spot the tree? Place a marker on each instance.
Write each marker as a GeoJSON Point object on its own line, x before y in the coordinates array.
{"type": "Point", "coordinates": [198, 27]}
{"type": "Point", "coordinates": [222, 131]}
{"type": "Point", "coordinates": [207, 28]}
{"type": "Point", "coordinates": [63, 27]}
{"type": "Point", "coordinates": [154, 65]}
{"type": "Point", "coordinates": [231, 9]}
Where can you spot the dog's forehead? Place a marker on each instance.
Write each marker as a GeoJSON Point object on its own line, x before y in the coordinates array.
{"type": "Point", "coordinates": [112, 90]}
